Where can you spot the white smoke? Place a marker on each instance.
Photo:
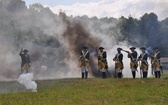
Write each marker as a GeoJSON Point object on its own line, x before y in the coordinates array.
{"type": "Point", "coordinates": [27, 81]}
{"type": "Point", "coordinates": [49, 61]}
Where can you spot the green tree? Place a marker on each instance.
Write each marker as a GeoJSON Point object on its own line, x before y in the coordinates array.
{"type": "Point", "coordinates": [149, 29]}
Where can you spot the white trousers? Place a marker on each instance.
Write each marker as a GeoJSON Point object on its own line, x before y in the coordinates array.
{"type": "Point", "coordinates": [133, 69]}
{"type": "Point", "coordinates": [84, 69]}
{"type": "Point", "coordinates": [118, 70]}
{"type": "Point", "coordinates": [156, 69]}
{"type": "Point", "coordinates": [103, 70]}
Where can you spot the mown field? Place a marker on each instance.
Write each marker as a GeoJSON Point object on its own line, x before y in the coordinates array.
{"type": "Point", "coordinates": [95, 91]}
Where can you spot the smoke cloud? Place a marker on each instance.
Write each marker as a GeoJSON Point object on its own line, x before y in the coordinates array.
{"type": "Point", "coordinates": [77, 36]}
{"type": "Point", "coordinates": [27, 81]}
{"type": "Point", "coordinates": [54, 41]}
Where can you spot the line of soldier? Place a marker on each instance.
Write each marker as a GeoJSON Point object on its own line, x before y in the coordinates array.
{"type": "Point", "coordinates": [135, 61]}
{"type": "Point", "coordinates": [103, 65]}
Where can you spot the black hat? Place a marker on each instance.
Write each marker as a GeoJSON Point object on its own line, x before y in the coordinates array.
{"type": "Point", "coordinates": [101, 48]}
{"type": "Point", "coordinates": [84, 47]}
{"type": "Point", "coordinates": [132, 48]}
{"type": "Point", "coordinates": [143, 48]}
{"type": "Point", "coordinates": [25, 50]}
{"type": "Point", "coordinates": [119, 49]}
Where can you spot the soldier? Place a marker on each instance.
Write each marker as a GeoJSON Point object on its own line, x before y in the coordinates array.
{"type": "Point", "coordinates": [25, 65]}
{"type": "Point", "coordinates": [84, 62]}
{"type": "Point", "coordinates": [156, 66]}
{"type": "Point", "coordinates": [134, 63]}
{"type": "Point", "coordinates": [118, 63]}
{"type": "Point", "coordinates": [102, 62]}
{"type": "Point", "coordinates": [144, 63]}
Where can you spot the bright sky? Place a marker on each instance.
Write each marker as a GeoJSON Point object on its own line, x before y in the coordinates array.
{"type": "Point", "coordinates": [107, 8]}
{"type": "Point", "coordinates": [53, 3]}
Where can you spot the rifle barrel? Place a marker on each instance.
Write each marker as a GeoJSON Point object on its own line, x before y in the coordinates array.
{"type": "Point", "coordinates": [125, 51]}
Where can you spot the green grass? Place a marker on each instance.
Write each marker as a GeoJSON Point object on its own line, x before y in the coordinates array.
{"type": "Point", "coordinates": [165, 74]}
{"type": "Point", "coordinates": [94, 91]}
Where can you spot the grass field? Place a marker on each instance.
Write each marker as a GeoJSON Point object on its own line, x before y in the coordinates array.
{"type": "Point", "coordinates": [95, 91]}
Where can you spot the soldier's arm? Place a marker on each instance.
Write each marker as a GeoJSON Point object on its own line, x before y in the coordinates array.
{"type": "Point", "coordinates": [139, 58]}
{"type": "Point", "coordinates": [146, 56]}
{"type": "Point", "coordinates": [125, 51]}
{"type": "Point", "coordinates": [129, 55]}
{"type": "Point", "coordinates": [135, 54]}
{"type": "Point", "coordinates": [121, 57]}
{"type": "Point", "coordinates": [98, 58]}
{"type": "Point", "coordinates": [80, 56]}
{"type": "Point", "coordinates": [88, 55]}
{"type": "Point", "coordinates": [158, 56]}
{"type": "Point", "coordinates": [114, 58]}
{"type": "Point", "coordinates": [21, 52]}
{"type": "Point", "coordinates": [104, 55]}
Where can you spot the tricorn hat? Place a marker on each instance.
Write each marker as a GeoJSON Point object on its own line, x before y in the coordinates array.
{"type": "Point", "coordinates": [132, 48]}
{"type": "Point", "coordinates": [119, 49]}
{"type": "Point", "coordinates": [143, 48]}
{"type": "Point", "coordinates": [25, 50]}
{"type": "Point", "coordinates": [84, 47]}
{"type": "Point", "coordinates": [101, 48]}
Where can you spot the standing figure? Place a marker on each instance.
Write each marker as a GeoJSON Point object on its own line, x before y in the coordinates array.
{"type": "Point", "coordinates": [25, 65]}
{"type": "Point", "coordinates": [134, 63]}
{"type": "Point", "coordinates": [156, 65]}
{"type": "Point", "coordinates": [84, 62]}
{"type": "Point", "coordinates": [118, 63]}
{"type": "Point", "coordinates": [144, 63]}
{"type": "Point", "coordinates": [102, 62]}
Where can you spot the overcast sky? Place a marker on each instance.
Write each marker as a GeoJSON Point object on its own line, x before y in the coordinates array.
{"type": "Point", "coordinates": [107, 8]}
{"type": "Point", "coordinates": [54, 3]}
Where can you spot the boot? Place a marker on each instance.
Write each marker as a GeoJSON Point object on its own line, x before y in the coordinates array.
{"type": "Point", "coordinates": [83, 75]}
{"type": "Point", "coordinates": [104, 74]}
{"type": "Point", "coordinates": [133, 74]}
{"type": "Point", "coordinates": [119, 75]}
{"type": "Point", "coordinates": [145, 74]}
{"type": "Point", "coordinates": [156, 74]}
{"type": "Point", "coordinates": [86, 75]}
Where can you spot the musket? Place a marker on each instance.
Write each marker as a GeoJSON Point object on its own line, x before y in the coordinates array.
{"type": "Point", "coordinates": [125, 51]}
{"type": "Point", "coordinates": [152, 71]}
{"type": "Point", "coordinates": [161, 69]}
{"type": "Point", "coordinates": [130, 56]}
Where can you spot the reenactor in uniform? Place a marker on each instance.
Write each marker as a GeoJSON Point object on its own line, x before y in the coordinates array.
{"type": "Point", "coordinates": [102, 61]}
{"type": "Point", "coordinates": [156, 65]}
{"type": "Point", "coordinates": [144, 63]}
{"type": "Point", "coordinates": [26, 63]}
{"type": "Point", "coordinates": [134, 63]}
{"type": "Point", "coordinates": [84, 62]}
{"type": "Point", "coordinates": [118, 63]}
